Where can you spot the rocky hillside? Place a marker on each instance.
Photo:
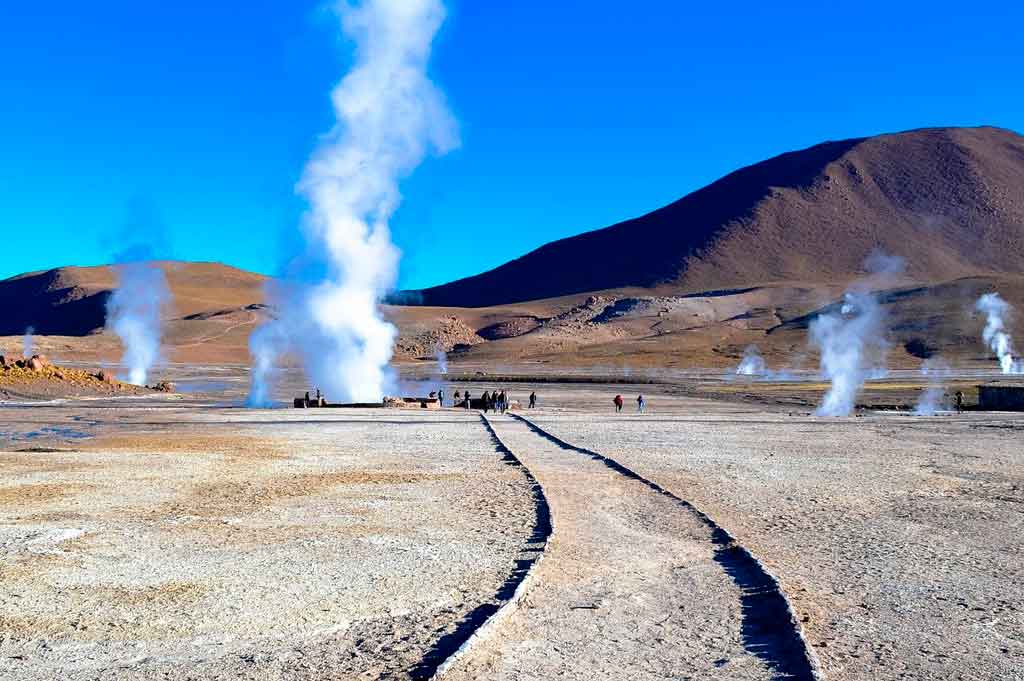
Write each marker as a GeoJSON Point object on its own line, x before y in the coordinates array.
{"type": "Point", "coordinates": [71, 301]}
{"type": "Point", "coordinates": [948, 200]}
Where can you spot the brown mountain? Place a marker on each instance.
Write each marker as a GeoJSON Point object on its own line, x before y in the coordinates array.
{"type": "Point", "coordinates": [71, 301]}
{"type": "Point", "coordinates": [949, 200]}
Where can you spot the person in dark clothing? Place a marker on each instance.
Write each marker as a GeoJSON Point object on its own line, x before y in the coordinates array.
{"type": "Point", "coordinates": [467, 399]}
{"type": "Point", "coordinates": [503, 402]}
{"type": "Point", "coordinates": [305, 403]}
{"type": "Point", "coordinates": [533, 400]}
{"type": "Point", "coordinates": [486, 400]}
{"type": "Point", "coordinates": [618, 403]}
{"type": "Point", "coordinates": [640, 404]}
{"type": "Point", "coordinates": [440, 398]}
{"type": "Point", "coordinates": [959, 399]}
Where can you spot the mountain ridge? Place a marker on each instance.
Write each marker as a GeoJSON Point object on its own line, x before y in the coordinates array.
{"type": "Point", "coordinates": [811, 214]}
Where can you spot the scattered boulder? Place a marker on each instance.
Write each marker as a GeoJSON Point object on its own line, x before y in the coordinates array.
{"type": "Point", "coordinates": [37, 362]}
{"type": "Point", "coordinates": [164, 387]}
{"type": "Point", "coordinates": [106, 376]}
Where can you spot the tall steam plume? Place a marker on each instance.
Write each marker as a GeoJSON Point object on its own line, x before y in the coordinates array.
{"type": "Point", "coordinates": [996, 337]}
{"type": "Point", "coordinates": [389, 116]}
{"type": "Point", "coordinates": [844, 339]}
{"type": "Point", "coordinates": [849, 338]}
{"type": "Point", "coordinates": [133, 313]}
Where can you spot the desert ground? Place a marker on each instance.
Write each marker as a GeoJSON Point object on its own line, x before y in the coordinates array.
{"type": "Point", "coordinates": [180, 536]}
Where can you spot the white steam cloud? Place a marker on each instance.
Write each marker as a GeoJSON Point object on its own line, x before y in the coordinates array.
{"type": "Point", "coordinates": [752, 363]}
{"type": "Point", "coordinates": [442, 360]}
{"type": "Point", "coordinates": [27, 343]}
{"type": "Point", "coordinates": [850, 338]}
{"type": "Point", "coordinates": [933, 397]}
{"type": "Point", "coordinates": [133, 313]}
{"type": "Point", "coordinates": [996, 336]}
{"type": "Point", "coordinates": [389, 117]}
{"type": "Point", "coordinates": [845, 339]}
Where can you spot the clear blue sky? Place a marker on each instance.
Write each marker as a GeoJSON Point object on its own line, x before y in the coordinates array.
{"type": "Point", "coordinates": [195, 118]}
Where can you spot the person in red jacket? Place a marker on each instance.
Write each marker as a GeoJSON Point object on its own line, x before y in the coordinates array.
{"type": "Point", "coordinates": [618, 403]}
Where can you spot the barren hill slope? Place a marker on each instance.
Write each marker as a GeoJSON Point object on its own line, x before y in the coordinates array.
{"type": "Point", "coordinates": [71, 301]}
{"type": "Point", "coordinates": [949, 200]}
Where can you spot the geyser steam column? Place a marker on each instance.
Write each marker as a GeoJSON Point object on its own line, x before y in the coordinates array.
{"type": "Point", "coordinates": [389, 115]}
{"type": "Point", "coordinates": [133, 313]}
{"type": "Point", "coordinates": [995, 334]}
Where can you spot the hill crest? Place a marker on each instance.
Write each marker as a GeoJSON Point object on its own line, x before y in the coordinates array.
{"type": "Point", "coordinates": [948, 200]}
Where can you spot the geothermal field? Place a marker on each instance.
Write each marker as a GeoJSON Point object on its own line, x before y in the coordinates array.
{"type": "Point", "coordinates": [771, 430]}
{"type": "Point", "coordinates": [181, 537]}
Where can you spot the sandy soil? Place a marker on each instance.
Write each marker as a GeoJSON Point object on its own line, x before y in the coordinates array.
{"type": "Point", "coordinates": [191, 541]}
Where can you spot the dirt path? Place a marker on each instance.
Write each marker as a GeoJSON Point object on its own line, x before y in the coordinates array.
{"type": "Point", "coordinates": [200, 341]}
{"type": "Point", "coordinates": [633, 584]}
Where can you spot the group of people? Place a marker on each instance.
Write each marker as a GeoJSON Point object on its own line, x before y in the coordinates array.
{"type": "Point", "coordinates": [494, 400]}
{"type": "Point", "coordinates": [619, 402]}
{"type": "Point", "coordinates": [498, 401]}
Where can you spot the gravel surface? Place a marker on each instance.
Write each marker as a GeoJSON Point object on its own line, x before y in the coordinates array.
{"type": "Point", "coordinates": [898, 539]}
{"type": "Point", "coordinates": [173, 539]}
{"type": "Point", "coordinates": [251, 544]}
{"type": "Point", "coordinates": [628, 588]}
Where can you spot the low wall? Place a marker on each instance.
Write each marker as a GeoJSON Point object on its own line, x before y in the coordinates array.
{"type": "Point", "coordinates": [1001, 397]}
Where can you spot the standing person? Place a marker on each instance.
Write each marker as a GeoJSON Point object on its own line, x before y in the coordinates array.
{"type": "Point", "coordinates": [440, 397]}
{"type": "Point", "coordinates": [640, 404]}
{"type": "Point", "coordinates": [959, 397]}
{"type": "Point", "coordinates": [618, 403]}
{"type": "Point", "coordinates": [533, 400]}
{"type": "Point", "coordinates": [502, 402]}
{"type": "Point", "coordinates": [487, 400]}
{"type": "Point", "coordinates": [467, 399]}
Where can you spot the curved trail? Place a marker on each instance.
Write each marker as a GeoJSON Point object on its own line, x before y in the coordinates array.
{"type": "Point", "coordinates": [252, 320]}
{"type": "Point", "coordinates": [770, 630]}
{"type": "Point", "coordinates": [635, 583]}
{"type": "Point", "coordinates": [478, 623]}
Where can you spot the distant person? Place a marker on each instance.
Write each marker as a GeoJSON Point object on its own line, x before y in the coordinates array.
{"type": "Point", "coordinates": [305, 402]}
{"type": "Point", "coordinates": [533, 400]}
{"type": "Point", "coordinates": [440, 398]}
{"type": "Point", "coordinates": [457, 396]}
{"type": "Point", "coordinates": [467, 400]}
{"type": "Point", "coordinates": [486, 400]}
{"type": "Point", "coordinates": [640, 404]}
{"type": "Point", "coordinates": [618, 403]}
{"type": "Point", "coordinates": [504, 402]}
{"type": "Point", "coordinates": [959, 399]}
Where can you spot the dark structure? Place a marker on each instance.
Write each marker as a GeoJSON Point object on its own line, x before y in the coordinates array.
{"type": "Point", "coordinates": [1001, 397]}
